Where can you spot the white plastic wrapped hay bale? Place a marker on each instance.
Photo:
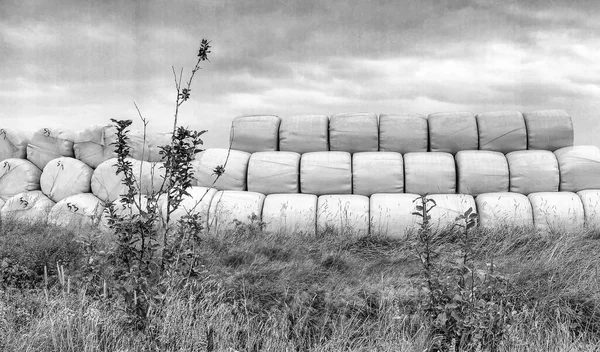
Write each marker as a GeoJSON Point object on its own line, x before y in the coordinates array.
{"type": "Point", "coordinates": [429, 172]}
{"type": "Point", "coordinates": [481, 171]}
{"type": "Point", "coordinates": [152, 176]}
{"type": "Point", "coordinates": [108, 186]}
{"type": "Point", "coordinates": [502, 131]}
{"type": "Point", "coordinates": [17, 176]}
{"type": "Point", "coordinates": [155, 141]}
{"type": "Point", "coordinates": [137, 143]}
{"type": "Point", "coordinates": [290, 214]}
{"type": "Point", "coordinates": [377, 172]}
{"type": "Point", "coordinates": [64, 177]}
{"type": "Point", "coordinates": [197, 202]}
{"type": "Point", "coordinates": [354, 132]}
{"type": "Point", "coordinates": [548, 129]}
{"type": "Point", "coordinates": [259, 133]}
{"type": "Point", "coordinates": [234, 177]}
{"type": "Point", "coordinates": [89, 145]}
{"type": "Point", "coordinates": [274, 172]}
{"type": "Point", "coordinates": [304, 134]}
{"type": "Point", "coordinates": [448, 207]}
{"type": "Point", "coordinates": [392, 214]}
{"type": "Point", "coordinates": [403, 133]}
{"type": "Point", "coordinates": [591, 207]}
{"type": "Point", "coordinates": [47, 144]}
{"type": "Point", "coordinates": [77, 212]}
{"type": "Point", "coordinates": [326, 173]}
{"type": "Point", "coordinates": [346, 214]}
{"type": "Point", "coordinates": [503, 209]}
{"type": "Point", "coordinates": [533, 171]}
{"type": "Point", "coordinates": [31, 207]}
{"type": "Point", "coordinates": [557, 211]}
{"type": "Point", "coordinates": [579, 168]}
{"type": "Point", "coordinates": [13, 144]}
{"type": "Point", "coordinates": [122, 210]}
{"type": "Point", "coordinates": [227, 206]}
{"type": "Point", "coordinates": [452, 132]}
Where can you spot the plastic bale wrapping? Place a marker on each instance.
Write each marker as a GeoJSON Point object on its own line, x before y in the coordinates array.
{"type": "Point", "coordinates": [65, 177]}
{"type": "Point", "coordinates": [290, 214]}
{"type": "Point", "coordinates": [17, 176]}
{"type": "Point", "coordinates": [392, 214]}
{"type": "Point", "coordinates": [152, 176]}
{"type": "Point", "coordinates": [326, 173]}
{"type": "Point", "coordinates": [258, 133]}
{"type": "Point", "coordinates": [274, 172]}
{"type": "Point", "coordinates": [591, 207]}
{"type": "Point", "coordinates": [122, 210]}
{"type": "Point", "coordinates": [234, 177]}
{"type": "Point", "coordinates": [345, 214]}
{"type": "Point", "coordinates": [2, 202]}
{"type": "Point", "coordinates": [533, 171]}
{"type": "Point", "coordinates": [304, 134]}
{"type": "Point", "coordinates": [377, 172]}
{"type": "Point", "coordinates": [354, 132]}
{"type": "Point", "coordinates": [155, 141]}
{"type": "Point", "coordinates": [557, 211]}
{"type": "Point", "coordinates": [452, 132]}
{"type": "Point", "coordinates": [403, 133]}
{"type": "Point", "coordinates": [77, 212]}
{"type": "Point", "coordinates": [429, 172]}
{"type": "Point", "coordinates": [13, 144]}
{"type": "Point", "coordinates": [579, 168]}
{"type": "Point", "coordinates": [503, 209]}
{"type": "Point", "coordinates": [136, 141]}
{"type": "Point", "coordinates": [29, 207]}
{"type": "Point", "coordinates": [89, 145]}
{"type": "Point", "coordinates": [448, 207]}
{"type": "Point", "coordinates": [47, 144]}
{"type": "Point", "coordinates": [481, 171]}
{"type": "Point", "coordinates": [548, 129]}
{"type": "Point", "coordinates": [197, 202]}
{"type": "Point", "coordinates": [105, 182]}
{"type": "Point", "coordinates": [502, 131]}
{"type": "Point", "coordinates": [227, 206]}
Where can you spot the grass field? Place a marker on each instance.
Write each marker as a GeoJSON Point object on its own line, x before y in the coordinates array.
{"type": "Point", "coordinates": [261, 292]}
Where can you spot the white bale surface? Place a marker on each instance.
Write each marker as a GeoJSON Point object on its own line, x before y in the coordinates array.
{"type": "Point", "coordinates": [448, 207]}
{"type": "Point", "coordinates": [197, 202]}
{"type": "Point", "coordinates": [377, 172]}
{"type": "Point", "coordinates": [77, 212]}
{"type": "Point", "coordinates": [274, 172]}
{"type": "Point", "coordinates": [481, 171]}
{"type": "Point", "coordinates": [429, 172]}
{"type": "Point", "coordinates": [65, 177]}
{"type": "Point", "coordinates": [108, 186]}
{"type": "Point", "coordinates": [17, 176]}
{"type": "Point", "coordinates": [502, 131]}
{"type": "Point", "coordinates": [392, 214]}
{"type": "Point", "coordinates": [452, 132]}
{"type": "Point", "coordinates": [89, 145]}
{"type": "Point", "coordinates": [2, 202]}
{"type": "Point", "coordinates": [289, 214]}
{"type": "Point", "coordinates": [31, 207]}
{"type": "Point", "coordinates": [591, 207]}
{"type": "Point", "coordinates": [548, 129]}
{"type": "Point", "coordinates": [497, 210]}
{"type": "Point", "coordinates": [579, 168]}
{"type": "Point", "coordinates": [533, 171]}
{"type": "Point", "coordinates": [234, 178]}
{"type": "Point", "coordinates": [47, 144]}
{"type": "Point", "coordinates": [258, 133]}
{"type": "Point", "coordinates": [403, 133]}
{"type": "Point", "coordinates": [137, 143]}
{"type": "Point", "coordinates": [354, 132]}
{"type": "Point", "coordinates": [326, 173]}
{"type": "Point", "coordinates": [346, 214]}
{"type": "Point", "coordinates": [227, 206]}
{"type": "Point", "coordinates": [152, 176]}
{"type": "Point", "coordinates": [123, 210]}
{"type": "Point", "coordinates": [304, 133]}
{"type": "Point", "coordinates": [156, 140]}
{"type": "Point", "coordinates": [13, 144]}
{"type": "Point", "coordinates": [557, 210]}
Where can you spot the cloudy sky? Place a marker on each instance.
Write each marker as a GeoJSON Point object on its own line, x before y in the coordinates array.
{"type": "Point", "coordinates": [76, 63]}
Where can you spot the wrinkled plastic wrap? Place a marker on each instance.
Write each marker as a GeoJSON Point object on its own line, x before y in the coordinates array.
{"type": "Point", "coordinates": [17, 176]}
{"type": "Point", "coordinates": [377, 172]}
{"type": "Point", "coordinates": [591, 207]}
{"type": "Point", "coordinates": [497, 210]}
{"type": "Point", "coordinates": [89, 145]}
{"type": "Point", "coordinates": [452, 132]}
{"type": "Point", "coordinates": [64, 177]}
{"type": "Point", "coordinates": [429, 172]}
{"type": "Point", "coordinates": [579, 168]}
{"type": "Point", "coordinates": [557, 211]}
{"type": "Point", "coordinates": [533, 171]}
{"type": "Point", "coordinates": [304, 133]}
{"type": "Point", "coordinates": [448, 207]}
{"type": "Point", "coordinates": [49, 143]}
{"type": "Point", "coordinates": [123, 210]}
{"type": "Point", "coordinates": [227, 206]}
{"type": "Point", "coordinates": [13, 144]}
{"type": "Point", "coordinates": [258, 133]}
{"type": "Point", "coordinates": [274, 172]}
{"type": "Point", "coordinates": [481, 171]}
{"type": "Point", "coordinates": [155, 141]}
{"type": "Point", "coordinates": [198, 202]}
{"type": "Point", "coordinates": [137, 143]}
{"type": "Point", "coordinates": [548, 129]}
{"type": "Point", "coordinates": [354, 132]}
{"type": "Point", "coordinates": [108, 186]}
{"type": "Point", "coordinates": [77, 212]}
{"type": "Point", "coordinates": [392, 214]}
{"type": "Point", "coordinates": [403, 133]}
{"type": "Point", "coordinates": [345, 214]}
{"type": "Point", "coordinates": [290, 214]}
{"type": "Point", "coordinates": [326, 173]}
{"type": "Point", "coordinates": [30, 207]}
{"type": "Point", "coordinates": [234, 178]}
{"type": "Point", "coordinates": [502, 131]}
